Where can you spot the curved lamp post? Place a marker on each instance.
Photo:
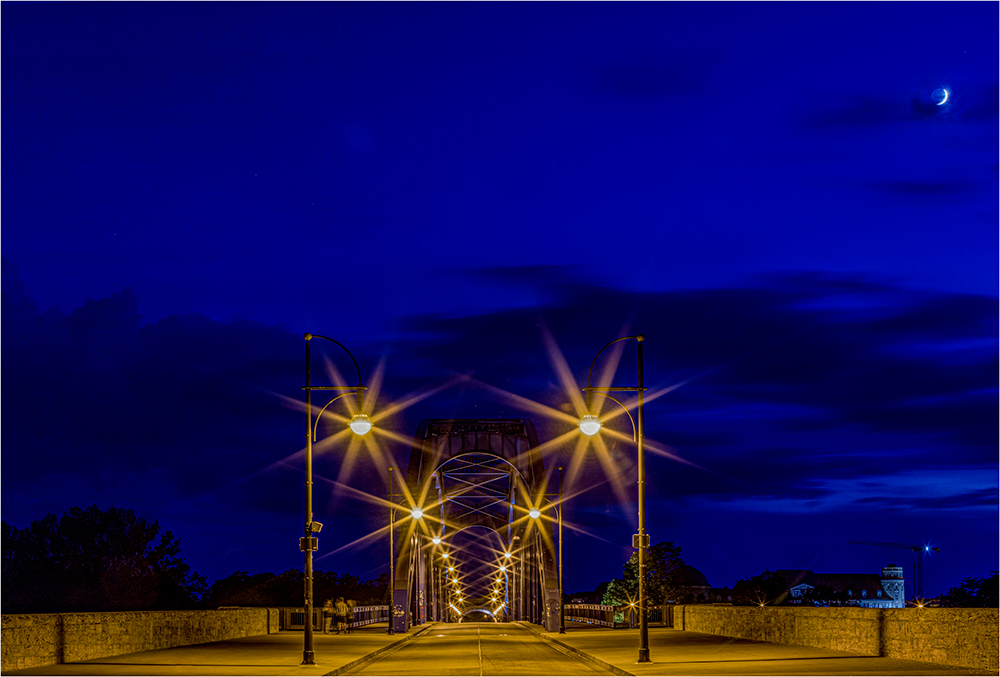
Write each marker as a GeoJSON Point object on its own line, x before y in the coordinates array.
{"type": "Point", "coordinates": [360, 424]}
{"type": "Point", "coordinates": [590, 425]}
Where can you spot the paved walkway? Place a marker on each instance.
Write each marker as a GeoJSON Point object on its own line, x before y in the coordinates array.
{"type": "Point", "coordinates": [673, 652]}
{"type": "Point", "coordinates": [676, 652]}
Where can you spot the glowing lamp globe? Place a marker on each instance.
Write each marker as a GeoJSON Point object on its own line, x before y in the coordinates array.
{"type": "Point", "coordinates": [589, 425]}
{"type": "Point", "coordinates": [417, 513]}
{"type": "Point", "coordinates": [445, 555]}
{"type": "Point", "coordinates": [507, 555]}
{"type": "Point", "coordinates": [436, 540]}
{"type": "Point", "coordinates": [534, 513]}
{"type": "Point", "coordinates": [360, 424]}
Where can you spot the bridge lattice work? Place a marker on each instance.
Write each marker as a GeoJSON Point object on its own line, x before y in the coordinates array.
{"type": "Point", "coordinates": [476, 480]}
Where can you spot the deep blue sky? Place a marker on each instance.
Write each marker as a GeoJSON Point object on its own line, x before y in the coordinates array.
{"type": "Point", "coordinates": [768, 192]}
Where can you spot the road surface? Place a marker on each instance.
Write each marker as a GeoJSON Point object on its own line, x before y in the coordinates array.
{"type": "Point", "coordinates": [479, 649]}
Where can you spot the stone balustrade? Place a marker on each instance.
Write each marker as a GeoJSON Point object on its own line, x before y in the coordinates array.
{"type": "Point", "coordinates": [959, 637]}
{"type": "Point", "coordinates": [32, 640]}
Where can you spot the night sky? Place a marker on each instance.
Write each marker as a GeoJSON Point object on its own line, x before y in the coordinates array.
{"type": "Point", "coordinates": [475, 198]}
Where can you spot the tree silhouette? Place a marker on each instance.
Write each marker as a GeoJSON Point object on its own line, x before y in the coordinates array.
{"type": "Point", "coordinates": [977, 592]}
{"type": "Point", "coordinates": [95, 560]}
{"type": "Point", "coordinates": [766, 588]}
{"type": "Point", "coordinates": [286, 589]}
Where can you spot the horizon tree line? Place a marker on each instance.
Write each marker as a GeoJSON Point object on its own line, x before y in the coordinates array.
{"type": "Point", "coordinates": [94, 559]}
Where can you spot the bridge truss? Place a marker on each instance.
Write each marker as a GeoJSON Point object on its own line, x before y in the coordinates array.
{"type": "Point", "coordinates": [476, 550]}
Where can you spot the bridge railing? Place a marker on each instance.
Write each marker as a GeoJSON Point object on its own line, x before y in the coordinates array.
{"type": "Point", "coordinates": [594, 614]}
{"type": "Point", "coordinates": [618, 616]}
{"type": "Point", "coordinates": [367, 615]}
{"type": "Point", "coordinates": [293, 618]}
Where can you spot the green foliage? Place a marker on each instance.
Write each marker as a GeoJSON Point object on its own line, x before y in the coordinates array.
{"type": "Point", "coordinates": [95, 560]}
{"type": "Point", "coordinates": [617, 593]}
{"type": "Point", "coordinates": [766, 588]}
{"type": "Point", "coordinates": [974, 592]}
{"type": "Point", "coordinates": [663, 569]}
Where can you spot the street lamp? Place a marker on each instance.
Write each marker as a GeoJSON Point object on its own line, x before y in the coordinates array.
{"type": "Point", "coordinates": [590, 425]}
{"type": "Point", "coordinates": [534, 513]}
{"type": "Point", "coordinates": [360, 424]}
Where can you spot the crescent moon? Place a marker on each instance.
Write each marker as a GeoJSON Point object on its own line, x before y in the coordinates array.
{"type": "Point", "coordinates": [944, 100]}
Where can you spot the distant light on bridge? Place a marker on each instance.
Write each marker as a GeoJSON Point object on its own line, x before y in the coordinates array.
{"type": "Point", "coordinates": [417, 513]}
{"type": "Point", "coordinates": [534, 513]}
{"type": "Point", "coordinates": [436, 540]}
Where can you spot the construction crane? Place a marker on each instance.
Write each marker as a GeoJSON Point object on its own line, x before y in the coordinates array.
{"type": "Point", "coordinates": [921, 550]}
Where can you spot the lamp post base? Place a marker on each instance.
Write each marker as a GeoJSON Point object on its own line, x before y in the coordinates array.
{"type": "Point", "coordinates": [644, 656]}
{"type": "Point", "coordinates": [308, 658]}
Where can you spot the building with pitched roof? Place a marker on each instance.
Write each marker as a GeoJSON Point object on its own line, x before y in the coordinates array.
{"type": "Point", "coordinates": [865, 590]}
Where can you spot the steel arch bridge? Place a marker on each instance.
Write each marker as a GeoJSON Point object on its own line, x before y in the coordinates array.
{"type": "Point", "coordinates": [476, 548]}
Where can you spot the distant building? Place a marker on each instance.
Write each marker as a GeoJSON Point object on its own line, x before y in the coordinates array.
{"type": "Point", "coordinates": [720, 596]}
{"type": "Point", "coordinates": [694, 585]}
{"type": "Point", "coordinates": [885, 591]}
{"type": "Point", "coordinates": [865, 590]}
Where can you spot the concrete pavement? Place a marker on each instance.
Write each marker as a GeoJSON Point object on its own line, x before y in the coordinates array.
{"type": "Point", "coordinates": [673, 652]}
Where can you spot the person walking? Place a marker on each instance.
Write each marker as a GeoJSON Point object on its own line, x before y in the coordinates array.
{"type": "Point", "coordinates": [340, 610]}
{"type": "Point", "coordinates": [327, 616]}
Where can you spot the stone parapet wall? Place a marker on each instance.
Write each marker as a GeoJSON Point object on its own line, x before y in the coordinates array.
{"type": "Point", "coordinates": [843, 629]}
{"type": "Point", "coordinates": [960, 637]}
{"type": "Point", "coordinates": [963, 637]}
{"type": "Point", "coordinates": [33, 640]}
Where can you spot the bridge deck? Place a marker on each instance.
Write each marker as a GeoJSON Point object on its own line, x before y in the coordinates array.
{"type": "Point", "coordinates": [674, 652]}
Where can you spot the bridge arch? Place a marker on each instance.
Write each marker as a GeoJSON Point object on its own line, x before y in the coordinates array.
{"type": "Point", "coordinates": [482, 611]}
{"type": "Point", "coordinates": [475, 477]}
